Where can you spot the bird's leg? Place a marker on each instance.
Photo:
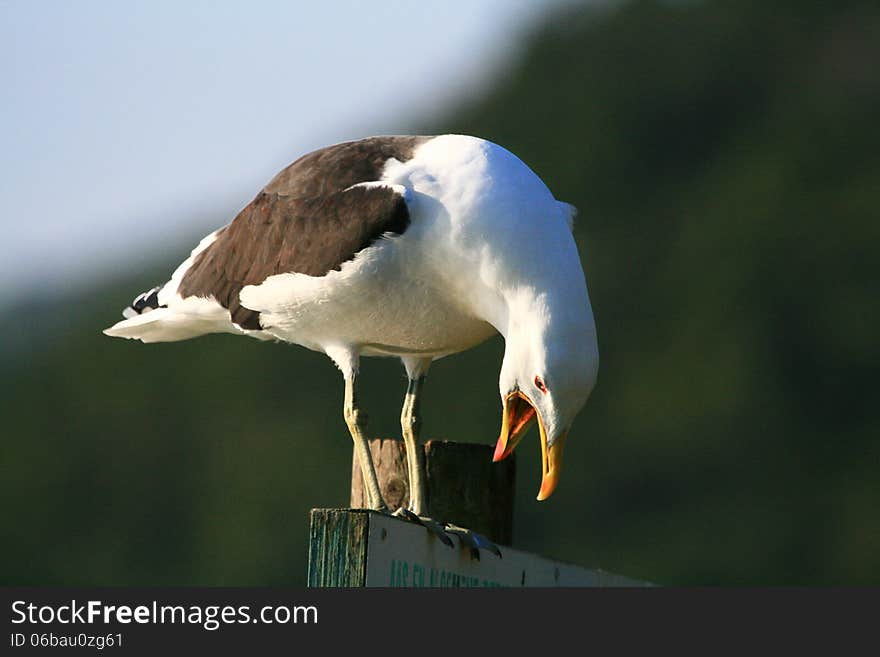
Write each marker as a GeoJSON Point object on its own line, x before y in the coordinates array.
{"type": "Point", "coordinates": [411, 424]}
{"type": "Point", "coordinates": [357, 421]}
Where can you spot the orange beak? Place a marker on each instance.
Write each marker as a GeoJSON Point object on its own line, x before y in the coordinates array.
{"type": "Point", "coordinates": [518, 416]}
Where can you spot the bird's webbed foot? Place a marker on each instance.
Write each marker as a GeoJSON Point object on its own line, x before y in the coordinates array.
{"type": "Point", "coordinates": [469, 539]}
{"type": "Point", "coordinates": [428, 523]}
{"type": "Point", "coordinates": [473, 540]}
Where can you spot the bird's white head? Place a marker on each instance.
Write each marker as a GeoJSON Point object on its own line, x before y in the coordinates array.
{"type": "Point", "coordinates": [550, 366]}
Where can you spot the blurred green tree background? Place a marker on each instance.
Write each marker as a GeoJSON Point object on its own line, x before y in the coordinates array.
{"type": "Point", "coordinates": [725, 159]}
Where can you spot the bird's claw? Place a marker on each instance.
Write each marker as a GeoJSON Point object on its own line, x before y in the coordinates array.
{"type": "Point", "coordinates": [470, 539]}
{"type": "Point", "coordinates": [428, 523]}
{"type": "Point", "coordinates": [473, 540]}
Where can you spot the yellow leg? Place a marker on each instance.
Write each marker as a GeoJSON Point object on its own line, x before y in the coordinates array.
{"type": "Point", "coordinates": [411, 424]}
{"type": "Point", "coordinates": [357, 422]}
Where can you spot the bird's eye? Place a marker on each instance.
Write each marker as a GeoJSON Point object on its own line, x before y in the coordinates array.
{"type": "Point", "coordinates": [539, 384]}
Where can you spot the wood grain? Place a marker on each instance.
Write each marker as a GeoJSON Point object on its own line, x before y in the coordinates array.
{"type": "Point", "coordinates": [464, 486]}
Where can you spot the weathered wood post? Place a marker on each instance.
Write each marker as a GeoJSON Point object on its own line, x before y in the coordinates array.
{"type": "Point", "coordinates": [464, 486]}
{"type": "Point", "coordinates": [357, 547]}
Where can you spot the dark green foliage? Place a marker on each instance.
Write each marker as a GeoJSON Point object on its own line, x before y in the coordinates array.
{"type": "Point", "coordinates": [724, 158]}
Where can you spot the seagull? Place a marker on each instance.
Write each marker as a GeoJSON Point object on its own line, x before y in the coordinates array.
{"type": "Point", "coordinates": [413, 247]}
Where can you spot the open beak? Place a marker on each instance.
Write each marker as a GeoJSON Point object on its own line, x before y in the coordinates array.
{"type": "Point", "coordinates": [518, 416]}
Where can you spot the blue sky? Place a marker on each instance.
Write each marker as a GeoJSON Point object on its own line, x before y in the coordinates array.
{"type": "Point", "coordinates": [128, 128]}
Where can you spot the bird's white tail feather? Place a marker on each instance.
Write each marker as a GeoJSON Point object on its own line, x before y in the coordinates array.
{"type": "Point", "coordinates": [165, 325]}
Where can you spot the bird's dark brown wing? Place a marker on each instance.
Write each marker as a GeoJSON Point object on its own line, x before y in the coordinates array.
{"type": "Point", "coordinates": [278, 234]}
{"type": "Point", "coordinates": [334, 168]}
{"type": "Point", "coordinates": [310, 219]}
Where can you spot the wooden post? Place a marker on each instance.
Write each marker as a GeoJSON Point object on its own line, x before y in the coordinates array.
{"type": "Point", "coordinates": [338, 547]}
{"type": "Point", "coordinates": [464, 486]}
{"type": "Point", "coordinates": [357, 547]}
